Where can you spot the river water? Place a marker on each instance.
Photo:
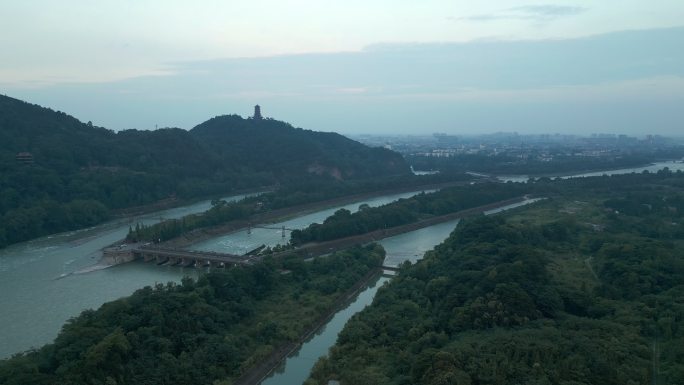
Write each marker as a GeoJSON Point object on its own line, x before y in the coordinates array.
{"type": "Point", "coordinates": [655, 167]}
{"type": "Point", "coordinates": [40, 290]}
{"type": "Point", "coordinates": [241, 242]}
{"type": "Point", "coordinates": [404, 247]}
{"type": "Point", "coordinates": [409, 246]}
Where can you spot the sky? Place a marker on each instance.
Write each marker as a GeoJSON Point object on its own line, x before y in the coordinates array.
{"type": "Point", "coordinates": [381, 66]}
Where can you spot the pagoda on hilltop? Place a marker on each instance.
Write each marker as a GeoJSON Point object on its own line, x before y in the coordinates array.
{"type": "Point", "coordinates": [257, 113]}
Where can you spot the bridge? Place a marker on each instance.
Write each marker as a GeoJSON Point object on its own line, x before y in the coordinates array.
{"type": "Point", "coordinates": [169, 256]}
{"type": "Point", "coordinates": [282, 228]}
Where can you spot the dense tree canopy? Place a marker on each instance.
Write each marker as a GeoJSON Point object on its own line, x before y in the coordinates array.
{"type": "Point", "coordinates": [343, 223]}
{"type": "Point", "coordinates": [195, 332]}
{"type": "Point", "coordinates": [584, 289]}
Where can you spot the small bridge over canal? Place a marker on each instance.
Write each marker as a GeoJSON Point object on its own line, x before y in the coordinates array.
{"type": "Point", "coordinates": [283, 229]}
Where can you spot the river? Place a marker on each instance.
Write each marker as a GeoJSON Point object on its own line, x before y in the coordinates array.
{"type": "Point", "coordinates": [241, 242]}
{"type": "Point", "coordinates": [40, 291]}
{"type": "Point", "coordinates": [655, 167]}
{"type": "Point", "coordinates": [409, 246]}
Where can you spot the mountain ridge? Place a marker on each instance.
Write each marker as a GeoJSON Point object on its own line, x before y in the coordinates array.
{"type": "Point", "coordinates": [52, 162]}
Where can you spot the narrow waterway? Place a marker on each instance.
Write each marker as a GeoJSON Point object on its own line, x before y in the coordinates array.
{"type": "Point", "coordinates": [296, 369]}
{"type": "Point", "coordinates": [404, 247]}
{"type": "Point", "coordinates": [655, 167]}
{"type": "Point", "coordinates": [242, 241]}
{"type": "Point", "coordinates": [40, 293]}
{"type": "Point", "coordinates": [410, 246]}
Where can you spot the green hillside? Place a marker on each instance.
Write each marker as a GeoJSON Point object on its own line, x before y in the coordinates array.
{"type": "Point", "coordinates": [57, 173]}
{"type": "Point", "coordinates": [276, 147]}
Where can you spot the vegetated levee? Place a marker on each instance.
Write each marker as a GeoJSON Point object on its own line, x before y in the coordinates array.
{"type": "Point", "coordinates": [509, 299]}
{"type": "Point", "coordinates": [224, 217]}
{"type": "Point", "coordinates": [319, 248]}
{"type": "Point", "coordinates": [208, 331]}
{"type": "Point", "coordinates": [405, 211]}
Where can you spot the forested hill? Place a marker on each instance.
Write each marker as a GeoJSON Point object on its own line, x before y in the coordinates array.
{"type": "Point", "coordinates": [271, 145]}
{"type": "Point", "coordinates": [584, 288]}
{"type": "Point", "coordinates": [57, 173]}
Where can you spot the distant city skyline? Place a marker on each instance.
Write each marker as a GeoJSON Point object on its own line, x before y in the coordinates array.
{"type": "Point", "coordinates": [351, 67]}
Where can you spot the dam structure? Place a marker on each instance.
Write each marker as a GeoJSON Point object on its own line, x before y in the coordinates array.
{"type": "Point", "coordinates": [169, 256]}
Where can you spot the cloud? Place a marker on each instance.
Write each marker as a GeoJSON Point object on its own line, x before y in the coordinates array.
{"type": "Point", "coordinates": [538, 13]}
{"type": "Point", "coordinates": [626, 80]}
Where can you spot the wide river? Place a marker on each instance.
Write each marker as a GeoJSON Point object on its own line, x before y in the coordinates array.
{"type": "Point", "coordinates": [40, 291]}
{"type": "Point", "coordinates": [655, 167]}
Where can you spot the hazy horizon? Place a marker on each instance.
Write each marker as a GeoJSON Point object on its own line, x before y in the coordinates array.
{"type": "Point", "coordinates": [387, 68]}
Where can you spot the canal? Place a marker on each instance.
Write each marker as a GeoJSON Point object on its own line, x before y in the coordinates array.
{"type": "Point", "coordinates": [409, 246]}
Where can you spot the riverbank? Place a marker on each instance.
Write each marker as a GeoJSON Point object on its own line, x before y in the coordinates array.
{"type": "Point", "coordinates": [578, 173]}
{"type": "Point", "coordinates": [262, 371]}
{"type": "Point", "coordinates": [315, 249]}
{"type": "Point", "coordinates": [200, 235]}
{"type": "Point", "coordinates": [174, 202]}
{"type": "Point", "coordinates": [258, 373]}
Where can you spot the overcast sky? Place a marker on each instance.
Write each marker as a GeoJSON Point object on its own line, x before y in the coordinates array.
{"type": "Point", "coordinates": [382, 66]}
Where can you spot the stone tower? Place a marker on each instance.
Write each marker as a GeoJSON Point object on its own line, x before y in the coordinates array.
{"type": "Point", "coordinates": [257, 112]}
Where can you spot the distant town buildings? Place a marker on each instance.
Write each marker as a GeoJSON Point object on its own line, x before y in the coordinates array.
{"type": "Point", "coordinates": [523, 147]}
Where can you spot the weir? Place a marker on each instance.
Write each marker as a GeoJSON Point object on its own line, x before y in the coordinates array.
{"type": "Point", "coordinates": [161, 255]}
